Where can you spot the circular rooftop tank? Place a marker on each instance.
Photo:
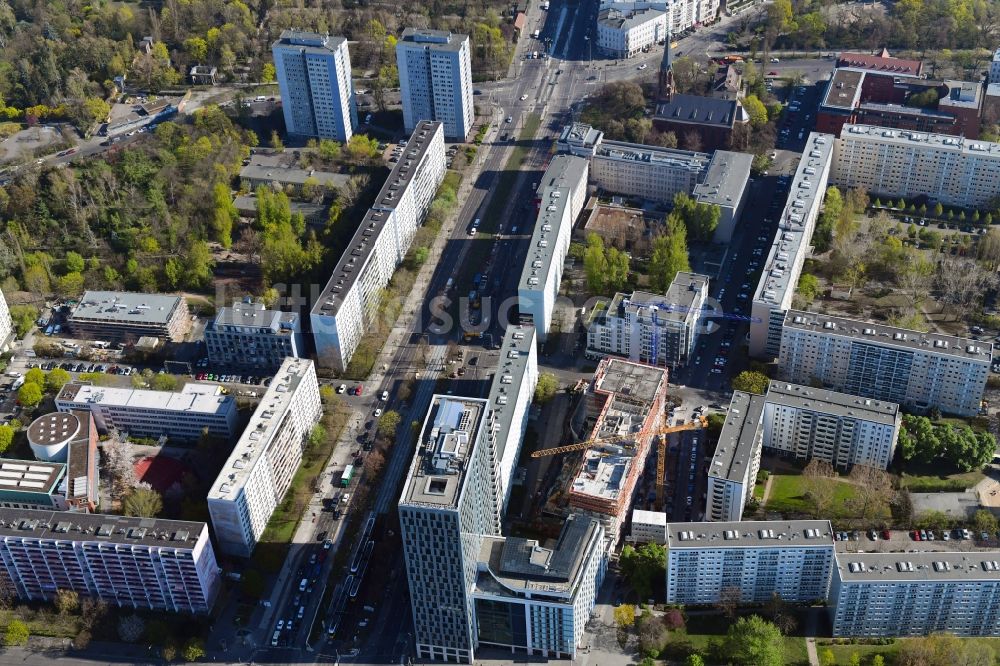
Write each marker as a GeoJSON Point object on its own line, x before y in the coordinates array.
{"type": "Point", "coordinates": [50, 435]}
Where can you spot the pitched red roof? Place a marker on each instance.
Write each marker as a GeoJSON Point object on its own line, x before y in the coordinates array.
{"type": "Point", "coordinates": [520, 20]}
{"type": "Point", "coordinates": [882, 63]}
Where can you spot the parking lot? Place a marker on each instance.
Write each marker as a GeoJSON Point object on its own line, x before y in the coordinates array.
{"type": "Point", "coordinates": [900, 541]}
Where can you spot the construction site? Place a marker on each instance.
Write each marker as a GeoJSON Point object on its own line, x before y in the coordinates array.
{"type": "Point", "coordinates": [612, 428]}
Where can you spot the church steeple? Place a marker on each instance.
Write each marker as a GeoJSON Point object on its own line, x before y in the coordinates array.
{"type": "Point", "coordinates": [666, 77]}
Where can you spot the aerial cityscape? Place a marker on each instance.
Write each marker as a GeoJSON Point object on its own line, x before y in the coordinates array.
{"type": "Point", "coordinates": [577, 332]}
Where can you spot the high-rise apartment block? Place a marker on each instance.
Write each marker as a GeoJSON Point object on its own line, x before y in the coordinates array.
{"type": "Point", "coordinates": [843, 430]}
{"type": "Point", "coordinates": [6, 324]}
{"type": "Point", "coordinates": [918, 370]}
{"type": "Point", "coordinates": [183, 415]}
{"type": "Point", "coordinates": [349, 301]}
{"type": "Point", "coordinates": [886, 162]}
{"type": "Point", "coordinates": [659, 330]}
{"type": "Point", "coordinates": [435, 80]}
{"type": "Point", "coordinates": [127, 562]}
{"type": "Point", "coordinates": [260, 468]}
{"type": "Point", "coordinates": [750, 561]}
{"type": "Point", "coordinates": [250, 335]}
{"type": "Point", "coordinates": [560, 198]}
{"type": "Point", "coordinates": [317, 93]}
{"type": "Point", "coordinates": [733, 472]}
{"type": "Point", "coordinates": [780, 276]}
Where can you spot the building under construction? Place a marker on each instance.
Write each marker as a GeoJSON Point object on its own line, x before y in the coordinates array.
{"type": "Point", "coordinates": [625, 408]}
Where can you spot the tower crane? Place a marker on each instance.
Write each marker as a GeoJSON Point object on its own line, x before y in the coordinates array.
{"type": "Point", "coordinates": [579, 446]}
{"type": "Point", "coordinates": [661, 455]}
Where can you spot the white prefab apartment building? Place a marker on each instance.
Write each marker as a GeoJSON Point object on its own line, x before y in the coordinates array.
{"type": "Point", "coordinates": [918, 370]}
{"type": "Point", "coordinates": [561, 196]}
{"type": "Point", "coordinates": [249, 335]}
{"type": "Point", "coordinates": [995, 68]}
{"type": "Point", "coordinates": [435, 80]}
{"type": "Point", "coordinates": [780, 276]}
{"type": "Point", "coordinates": [733, 472]}
{"type": "Point", "coordinates": [317, 93]}
{"type": "Point", "coordinates": [626, 32]}
{"type": "Point", "coordinates": [349, 301]}
{"type": "Point", "coordinates": [259, 471]}
{"type": "Point", "coordinates": [6, 324]}
{"type": "Point", "coordinates": [165, 565]}
{"type": "Point", "coordinates": [659, 330]}
{"type": "Point", "coordinates": [916, 593]}
{"type": "Point", "coordinates": [791, 558]}
{"type": "Point", "coordinates": [182, 415]}
{"type": "Point", "coordinates": [897, 163]}
{"type": "Point", "coordinates": [538, 600]}
{"type": "Point", "coordinates": [843, 430]}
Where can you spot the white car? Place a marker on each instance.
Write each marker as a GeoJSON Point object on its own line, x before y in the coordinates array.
{"type": "Point", "coordinates": [643, 66]}
{"type": "Point", "coordinates": [524, 97]}
{"type": "Point", "coordinates": [378, 412]}
{"type": "Point", "coordinates": [385, 395]}
{"type": "Point", "coordinates": [341, 388]}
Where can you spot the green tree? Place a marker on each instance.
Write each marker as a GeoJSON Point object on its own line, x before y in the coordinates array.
{"type": "Point", "coordinates": [224, 216]}
{"type": "Point", "coordinates": [694, 660]}
{"type": "Point", "coordinates": [938, 209]}
{"type": "Point", "coordinates": [751, 381]}
{"type": "Point", "coordinates": [985, 521]}
{"type": "Point", "coordinates": [827, 658]}
{"type": "Point", "coordinates": [194, 650]}
{"type": "Point", "coordinates": [56, 379]}
{"type": "Point", "coordinates": [669, 256]}
{"type": "Point", "coordinates": [163, 382]}
{"type": "Point", "coordinates": [618, 269]}
{"type": "Point", "coordinates": [546, 387]}
{"type": "Point", "coordinates": [23, 317]}
{"type": "Point", "coordinates": [268, 73]}
{"type": "Point", "coordinates": [17, 633]}
{"type": "Point", "coordinates": [878, 660]}
{"type": "Point", "coordinates": [624, 615]}
{"type": "Point", "coordinates": [30, 395]}
{"type": "Point", "coordinates": [66, 601]}
{"type": "Point", "coordinates": [388, 423]}
{"type": "Point", "coordinates": [143, 502]}
{"type": "Point", "coordinates": [644, 567]}
{"type": "Point", "coordinates": [752, 641]}
{"type": "Point", "coordinates": [197, 48]}
{"type": "Point", "coordinates": [701, 219]}
{"type": "Point", "coordinates": [70, 285]}
{"type": "Point", "coordinates": [808, 287]}
{"type": "Point", "coordinates": [595, 263]}
{"type": "Point", "coordinates": [74, 262]}
{"type": "Point", "coordinates": [276, 142]}
{"type": "Point", "coordinates": [756, 110]}
{"type": "Point", "coordinates": [35, 376]}
{"type": "Point", "coordinates": [6, 437]}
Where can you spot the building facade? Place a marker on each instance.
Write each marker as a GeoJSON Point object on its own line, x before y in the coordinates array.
{"type": "Point", "coordinates": [659, 330]}
{"type": "Point", "coordinates": [649, 527]}
{"type": "Point", "coordinates": [780, 276]}
{"type": "Point", "coordinates": [350, 300]}
{"type": "Point", "coordinates": [435, 80]}
{"type": "Point", "coordinates": [623, 33]}
{"type": "Point", "coordinates": [736, 462]}
{"type": "Point", "coordinates": [843, 430]}
{"type": "Point", "coordinates": [259, 471]}
{"type": "Point", "coordinates": [119, 316]}
{"type": "Point", "coordinates": [749, 561]}
{"type": "Point", "coordinates": [252, 336]}
{"type": "Point", "coordinates": [148, 563]}
{"type": "Point", "coordinates": [918, 370]}
{"type": "Point", "coordinates": [885, 162]}
{"type": "Point", "coordinates": [181, 415]}
{"type": "Point", "coordinates": [6, 324]}
{"type": "Point", "coordinates": [317, 93]}
{"type": "Point", "coordinates": [560, 198]}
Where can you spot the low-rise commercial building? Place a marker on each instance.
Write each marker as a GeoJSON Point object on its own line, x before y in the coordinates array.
{"type": "Point", "coordinates": [561, 195]}
{"type": "Point", "coordinates": [843, 430]}
{"type": "Point", "coordinates": [659, 330]}
{"type": "Point", "coordinates": [252, 336]}
{"type": "Point", "coordinates": [283, 172]}
{"type": "Point", "coordinates": [780, 276]}
{"type": "Point", "coordinates": [65, 437]}
{"type": "Point", "coordinates": [349, 302]}
{"type": "Point", "coordinates": [649, 527]}
{"type": "Point", "coordinates": [259, 471]}
{"type": "Point", "coordinates": [119, 316]}
{"type": "Point", "coordinates": [733, 472]}
{"type": "Point", "coordinates": [918, 370]}
{"type": "Point", "coordinates": [126, 562]}
{"type": "Point", "coordinates": [749, 561]}
{"type": "Point", "coordinates": [182, 415]}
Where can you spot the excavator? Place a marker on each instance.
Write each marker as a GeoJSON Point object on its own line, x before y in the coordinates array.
{"type": "Point", "coordinates": [661, 451]}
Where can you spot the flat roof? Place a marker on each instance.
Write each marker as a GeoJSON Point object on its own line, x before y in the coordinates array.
{"type": "Point", "coordinates": [681, 160]}
{"type": "Point", "coordinates": [291, 175]}
{"type": "Point", "coordinates": [776, 285]}
{"type": "Point", "coordinates": [353, 261]}
{"type": "Point", "coordinates": [918, 567]}
{"type": "Point", "coordinates": [255, 315]}
{"type": "Point", "coordinates": [193, 397]}
{"type": "Point", "coordinates": [580, 137]}
{"type": "Point", "coordinates": [890, 336]}
{"type": "Point", "coordinates": [437, 40]}
{"type": "Point", "coordinates": [79, 460]}
{"type": "Point", "coordinates": [682, 293]}
{"type": "Point", "coordinates": [54, 428]}
{"type": "Point", "coordinates": [450, 431]}
{"type": "Point", "coordinates": [913, 139]}
{"type": "Point", "coordinates": [617, 19]}
{"type": "Point", "coordinates": [261, 430]}
{"type": "Point", "coordinates": [740, 434]}
{"type": "Point", "coordinates": [308, 42]}
{"type": "Point", "coordinates": [726, 179]}
{"type": "Point", "coordinates": [74, 526]}
{"type": "Point", "coordinates": [649, 517]}
{"type": "Point", "coordinates": [518, 343]}
{"type": "Point", "coordinates": [125, 307]}
{"type": "Point", "coordinates": [566, 173]}
{"type": "Point", "coordinates": [962, 94]}
{"type": "Point", "coordinates": [750, 534]}
{"type": "Point", "coordinates": [902, 110]}
{"type": "Point", "coordinates": [636, 382]}
{"type": "Point", "coordinates": [844, 89]}
{"type": "Point", "coordinates": [832, 402]}
{"type": "Point", "coordinates": [30, 476]}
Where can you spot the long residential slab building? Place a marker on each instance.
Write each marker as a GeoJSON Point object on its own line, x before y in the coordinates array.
{"type": "Point", "coordinates": [560, 198]}
{"type": "Point", "coordinates": [733, 471]}
{"type": "Point", "coordinates": [918, 370]}
{"type": "Point", "coordinates": [260, 468]}
{"type": "Point", "coordinates": [148, 563]}
{"type": "Point", "coordinates": [181, 415]}
{"type": "Point", "coordinates": [349, 302]}
{"type": "Point", "coordinates": [783, 267]}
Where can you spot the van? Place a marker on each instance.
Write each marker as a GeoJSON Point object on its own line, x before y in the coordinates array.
{"type": "Point", "coordinates": [303, 584]}
{"type": "Point", "coordinates": [261, 98]}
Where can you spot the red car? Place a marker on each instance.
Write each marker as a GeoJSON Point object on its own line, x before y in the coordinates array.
{"type": "Point", "coordinates": [357, 390]}
{"type": "Point", "coordinates": [916, 535]}
{"type": "Point", "coordinates": [886, 535]}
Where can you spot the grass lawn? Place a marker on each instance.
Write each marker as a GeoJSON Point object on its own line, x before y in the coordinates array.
{"type": "Point", "coordinates": [788, 495]}
{"type": "Point", "coordinates": [45, 622]}
{"type": "Point", "coordinates": [843, 653]}
{"type": "Point", "coordinates": [795, 646]}
{"type": "Point", "coordinates": [939, 483]}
